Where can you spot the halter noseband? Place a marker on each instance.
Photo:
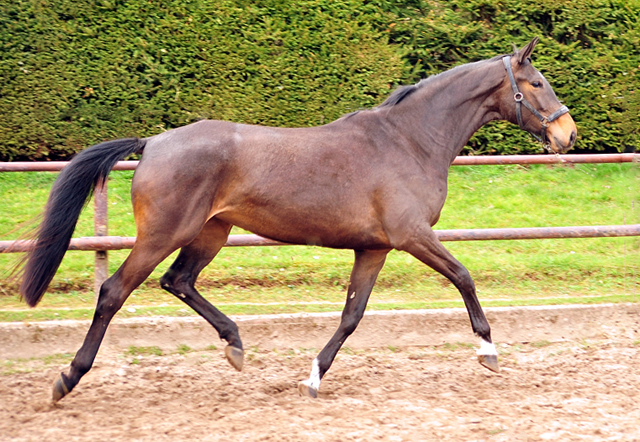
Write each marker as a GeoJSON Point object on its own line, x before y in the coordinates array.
{"type": "Point", "coordinates": [517, 95]}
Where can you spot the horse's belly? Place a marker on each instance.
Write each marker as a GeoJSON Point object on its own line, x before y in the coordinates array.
{"type": "Point", "coordinates": [325, 231]}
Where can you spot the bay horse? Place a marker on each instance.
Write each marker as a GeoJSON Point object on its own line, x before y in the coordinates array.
{"type": "Point", "coordinates": [371, 181]}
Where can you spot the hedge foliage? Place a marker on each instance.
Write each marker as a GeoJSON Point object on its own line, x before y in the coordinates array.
{"type": "Point", "coordinates": [589, 51]}
{"type": "Point", "coordinates": [76, 73]}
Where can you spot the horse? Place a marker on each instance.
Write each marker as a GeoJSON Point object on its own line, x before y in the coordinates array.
{"type": "Point", "coordinates": [371, 181]}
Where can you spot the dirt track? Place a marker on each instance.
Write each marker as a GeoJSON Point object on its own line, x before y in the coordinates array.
{"type": "Point", "coordinates": [563, 391]}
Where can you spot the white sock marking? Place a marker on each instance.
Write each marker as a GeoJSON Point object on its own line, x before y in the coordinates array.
{"type": "Point", "coordinates": [314, 378]}
{"type": "Point", "coordinates": [487, 348]}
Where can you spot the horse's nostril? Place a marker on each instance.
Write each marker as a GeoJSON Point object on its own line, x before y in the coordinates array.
{"type": "Point", "coordinates": [573, 137]}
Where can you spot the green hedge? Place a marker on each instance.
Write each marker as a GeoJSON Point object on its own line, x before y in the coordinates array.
{"type": "Point", "coordinates": [76, 73]}
{"type": "Point", "coordinates": [588, 51]}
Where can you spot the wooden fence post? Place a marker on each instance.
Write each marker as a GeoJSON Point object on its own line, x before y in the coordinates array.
{"type": "Point", "coordinates": [100, 217]}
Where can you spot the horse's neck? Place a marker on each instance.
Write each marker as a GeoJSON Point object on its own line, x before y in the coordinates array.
{"type": "Point", "coordinates": [453, 106]}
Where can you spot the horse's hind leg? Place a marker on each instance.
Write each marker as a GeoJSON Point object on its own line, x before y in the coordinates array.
{"type": "Point", "coordinates": [181, 277]}
{"type": "Point", "coordinates": [144, 257]}
{"type": "Point", "coordinates": [368, 264]}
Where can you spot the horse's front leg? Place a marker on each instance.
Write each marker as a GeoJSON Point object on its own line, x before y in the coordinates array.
{"type": "Point", "coordinates": [425, 246]}
{"type": "Point", "coordinates": [368, 264]}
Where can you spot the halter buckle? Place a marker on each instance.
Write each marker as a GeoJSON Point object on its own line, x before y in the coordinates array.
{"type": "Point", "coordinates": [518, 97]}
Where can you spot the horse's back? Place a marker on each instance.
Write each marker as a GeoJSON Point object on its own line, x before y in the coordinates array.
{"type": "Point", "coordinates": [301, 185]}
{"type": "Point", "coordinates": [270, 153]}
{"type": "Point", "coordinates": [334, 185]}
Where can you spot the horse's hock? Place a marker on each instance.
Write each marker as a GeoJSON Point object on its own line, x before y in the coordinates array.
{"type": "Point", "coordinates": [377, 329]}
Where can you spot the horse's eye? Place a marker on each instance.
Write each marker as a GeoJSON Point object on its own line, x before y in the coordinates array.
{"type": "Point", "coordinates": [537, 84]}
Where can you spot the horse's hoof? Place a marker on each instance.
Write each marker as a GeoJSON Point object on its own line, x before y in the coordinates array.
{"type": "Point", "coordinates": [235, 356]}
{"type": "Point", "coordinates": [307, 390]}
{"type": "Point", "coordinates": [60, 389]}
{"type": "Point", "coordinates": [490, 362]}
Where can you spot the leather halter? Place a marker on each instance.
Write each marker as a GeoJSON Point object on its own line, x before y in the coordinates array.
{"type": "Point", "coordinates": [519, 98]}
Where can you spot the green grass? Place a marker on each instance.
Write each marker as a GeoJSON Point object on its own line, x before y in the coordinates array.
{"type": "Point", "coordinates": [29, 365]}
{"type": "Point", "coordinates": [144, 351]}
{"type": "Point", "coordinates": [252, 280]}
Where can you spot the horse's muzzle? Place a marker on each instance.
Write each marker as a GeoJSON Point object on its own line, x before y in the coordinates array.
{"type": "Point", "coordinates": [562, 134]}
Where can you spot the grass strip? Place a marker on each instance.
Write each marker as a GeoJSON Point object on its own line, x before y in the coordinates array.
{"type": "Point", "coordinates": [35, 315]}
{"type": "Point", "coordinates": [253, 280]}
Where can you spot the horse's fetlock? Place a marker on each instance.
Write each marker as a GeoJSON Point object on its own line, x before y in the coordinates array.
{"type": "Point", "coordinates": [231, 334]}
{"type": "Point", "coordinates": [77, 370]}
{"type": "Point", "coordinates": [483, 332]}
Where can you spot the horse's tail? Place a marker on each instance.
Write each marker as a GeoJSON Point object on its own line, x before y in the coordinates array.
{"type": "Point", "coordinates": [69, 194]}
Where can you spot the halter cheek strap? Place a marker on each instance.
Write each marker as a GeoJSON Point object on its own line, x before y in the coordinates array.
{"type": "Point", "coordinates": [520, 100]}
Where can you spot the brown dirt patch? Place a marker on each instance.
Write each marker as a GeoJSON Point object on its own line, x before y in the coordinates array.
{"type": "Point", "coordinates": [561, 391]}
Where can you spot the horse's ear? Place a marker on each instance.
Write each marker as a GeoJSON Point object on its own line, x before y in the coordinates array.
{"type": "Point", "coordinates": [525, 53]}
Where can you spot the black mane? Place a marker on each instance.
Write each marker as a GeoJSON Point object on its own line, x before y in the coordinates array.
{"type": "Point", "coordinates": [405, 91]}
{"type": "Point", "coordinates": [400, 94]}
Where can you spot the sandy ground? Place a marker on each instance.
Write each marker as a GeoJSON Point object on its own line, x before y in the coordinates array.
{"type": "Point", "coordinates": [582, 391]}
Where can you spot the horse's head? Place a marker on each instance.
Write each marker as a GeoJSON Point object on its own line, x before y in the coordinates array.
{"type": "Point", "coordinates": [528, 100]}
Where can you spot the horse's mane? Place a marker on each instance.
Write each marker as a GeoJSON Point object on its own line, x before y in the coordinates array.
{"type": "Point", "coordinates": [403, 92]}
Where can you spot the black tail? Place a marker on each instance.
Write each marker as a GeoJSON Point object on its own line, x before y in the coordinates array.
{"type": "Point", "coordinates": [68, 196]}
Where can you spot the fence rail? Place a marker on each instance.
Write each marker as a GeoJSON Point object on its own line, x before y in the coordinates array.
{"type": "Point", "coordinates": [56, 166]}
{"type": "Point", "coordinates": [101, 243]}
{"type": "Point", "coordinates": [105, 243]}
